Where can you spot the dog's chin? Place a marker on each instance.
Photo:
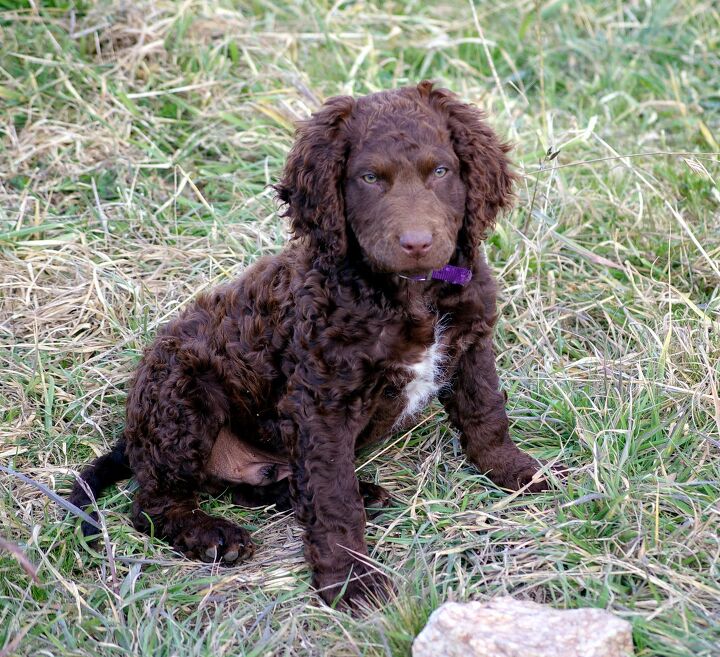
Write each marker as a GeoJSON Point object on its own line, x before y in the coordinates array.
{"type": "Point", "coordinates": [404, 269]}
{"type": "Point", "coordinates": [416, 272]}
{"type": "Point", "coordinates": [405, 266]}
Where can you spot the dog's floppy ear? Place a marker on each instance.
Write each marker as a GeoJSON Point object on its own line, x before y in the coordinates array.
{"type": "Point", "coordinates": [484, 165]}
{"type": "Point", "coordinates": [311, 185]}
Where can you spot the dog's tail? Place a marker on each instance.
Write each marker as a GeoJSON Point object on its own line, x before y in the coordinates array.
{"type": "Point", "coordinates": [99, 475]}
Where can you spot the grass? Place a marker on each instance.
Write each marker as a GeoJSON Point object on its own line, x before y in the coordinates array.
{"type": "Point", "coordinates": [137, 142]}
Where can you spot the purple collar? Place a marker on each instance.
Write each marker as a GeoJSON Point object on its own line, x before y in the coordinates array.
{"type": "Point", "coordinates": [449, 274]}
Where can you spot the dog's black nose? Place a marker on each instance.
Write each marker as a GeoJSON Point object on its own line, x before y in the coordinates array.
{"type": "Point", "coordinates": [416, 242]}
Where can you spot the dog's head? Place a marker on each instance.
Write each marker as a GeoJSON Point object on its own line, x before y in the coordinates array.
{"type": "Point", "coordinates": [408, 174]}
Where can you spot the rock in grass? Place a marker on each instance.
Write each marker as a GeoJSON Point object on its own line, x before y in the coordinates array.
{"type": "Point", "coordinates": [505, 627]}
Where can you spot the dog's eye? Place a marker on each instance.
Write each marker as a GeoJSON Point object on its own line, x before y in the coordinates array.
{"type": "Point", "coordinates": [370, 178]}
{"type": "Point", "coordinates": [440, 171]}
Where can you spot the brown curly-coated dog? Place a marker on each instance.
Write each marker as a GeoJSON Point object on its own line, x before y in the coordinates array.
{"type": "Point", "coordinates": [272, 383]}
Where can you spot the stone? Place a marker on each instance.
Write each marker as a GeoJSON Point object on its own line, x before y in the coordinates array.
{"type": "Point", "coordinates": [505, 627]}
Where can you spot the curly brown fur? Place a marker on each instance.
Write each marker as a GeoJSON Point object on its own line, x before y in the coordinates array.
{"type": "Point", "coordinates": [316, 351]}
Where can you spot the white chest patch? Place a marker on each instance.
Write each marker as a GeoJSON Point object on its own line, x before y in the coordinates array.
{"type": "Point", "coordinates": [427, 378]}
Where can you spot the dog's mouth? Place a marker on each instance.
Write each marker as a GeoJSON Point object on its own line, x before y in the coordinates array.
{"type": "Point", "coordinates": [423, 266]}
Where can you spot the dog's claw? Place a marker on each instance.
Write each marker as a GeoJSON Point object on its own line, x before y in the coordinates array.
{"type": "Point", "coordinates": [231, 556]}
{"type": "Point", "coordinates": [211, 554]}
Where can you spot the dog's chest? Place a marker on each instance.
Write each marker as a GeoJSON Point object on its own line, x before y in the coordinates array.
{"type": "Point", "coordinates": [426, 377]}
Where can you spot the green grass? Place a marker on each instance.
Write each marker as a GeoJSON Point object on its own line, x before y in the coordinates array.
{"type": "Point", "coordinates": [137, 141]}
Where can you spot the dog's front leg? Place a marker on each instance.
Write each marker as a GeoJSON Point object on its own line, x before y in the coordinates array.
{"type": "Point", "coordinates": [476, 407]}
{"type": "Point", "coordinates": [320, 428]}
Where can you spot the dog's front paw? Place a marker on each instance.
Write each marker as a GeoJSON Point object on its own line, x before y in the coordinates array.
{"type": "Point", "coordinates": [509, 467]}
{"type": "Point", "coordinates": [357, 592]}
{"type": "Point", "coordinates": [526, 475]}
{"type": "Point", "coordinates": [213, 539]}
{"type": "Point", "coordinates": [525, 478]}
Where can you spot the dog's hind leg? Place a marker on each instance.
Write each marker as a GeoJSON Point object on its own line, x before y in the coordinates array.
{"type": "Point", "coordinates": [173, 421]}
{"type": "Point", "coordinates": [166, 505]}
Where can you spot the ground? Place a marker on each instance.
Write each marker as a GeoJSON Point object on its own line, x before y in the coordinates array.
{"type": "Point", "coordinates": [137, 142]}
